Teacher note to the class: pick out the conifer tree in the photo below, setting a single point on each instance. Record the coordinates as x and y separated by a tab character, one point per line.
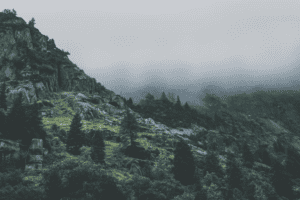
184	164
3	97
130	102
178	106
3	109
75	139
234	175
129	127
98	147
201	194
171	98
149	103
248	157
35	125
212	164
16	119
163	97
293	162
187	108
281	181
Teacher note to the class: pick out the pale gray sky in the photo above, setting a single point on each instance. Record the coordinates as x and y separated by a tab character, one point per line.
133	46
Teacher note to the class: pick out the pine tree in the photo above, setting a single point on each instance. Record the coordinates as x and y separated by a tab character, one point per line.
293	162
201	194
3	110
212	164
16	123
35	125
184	164
3	97
129	127
163	97
75	139
234	174
171	98
248	157
130	102
281	181
178	106
98	147
149	103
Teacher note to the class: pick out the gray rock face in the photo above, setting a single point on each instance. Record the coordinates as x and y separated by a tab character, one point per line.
72	78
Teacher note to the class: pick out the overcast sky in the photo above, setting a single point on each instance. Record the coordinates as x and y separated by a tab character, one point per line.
186	47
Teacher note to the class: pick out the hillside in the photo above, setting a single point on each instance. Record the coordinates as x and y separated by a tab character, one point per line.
31	65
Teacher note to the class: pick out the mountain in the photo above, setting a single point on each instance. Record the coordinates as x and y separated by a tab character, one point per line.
216	134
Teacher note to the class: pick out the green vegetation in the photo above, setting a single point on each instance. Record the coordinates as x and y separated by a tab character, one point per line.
90	159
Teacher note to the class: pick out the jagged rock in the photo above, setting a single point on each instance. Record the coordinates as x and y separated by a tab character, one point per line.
72	78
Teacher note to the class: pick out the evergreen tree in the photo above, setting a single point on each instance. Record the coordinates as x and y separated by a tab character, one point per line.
98	147
75	139
35	125
186	107
3	97
3	110
129	127
201	194
184	164
16	119
212	164
3	129
234	175
31	22
293	162
248	157
218	120
130	102
163	97
171	98
281	181
178	106
149	103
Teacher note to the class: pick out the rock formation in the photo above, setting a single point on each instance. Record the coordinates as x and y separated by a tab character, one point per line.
30	63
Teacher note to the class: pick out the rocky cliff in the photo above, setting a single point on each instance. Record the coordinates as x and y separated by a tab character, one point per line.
30	63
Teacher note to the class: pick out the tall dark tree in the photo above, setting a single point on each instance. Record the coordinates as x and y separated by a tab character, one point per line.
129	127
218	120
16	119
234	175
3	110
35	125
98	147
163	97
212	164
31	22
201	194
281	181
3	97
130	102
186	107
149	103
247	155
178	106
293	162
184	164
75	137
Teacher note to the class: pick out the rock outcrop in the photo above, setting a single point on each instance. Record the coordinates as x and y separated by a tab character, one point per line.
31	64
